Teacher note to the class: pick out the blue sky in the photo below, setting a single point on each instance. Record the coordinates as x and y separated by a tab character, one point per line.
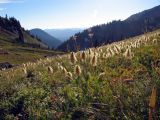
71	13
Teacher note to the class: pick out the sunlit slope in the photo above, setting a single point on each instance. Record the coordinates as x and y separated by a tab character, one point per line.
116	81
15	53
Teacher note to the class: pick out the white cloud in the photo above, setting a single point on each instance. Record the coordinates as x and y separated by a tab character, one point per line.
4	1
11	1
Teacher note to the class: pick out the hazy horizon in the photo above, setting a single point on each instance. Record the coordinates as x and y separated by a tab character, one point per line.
62	14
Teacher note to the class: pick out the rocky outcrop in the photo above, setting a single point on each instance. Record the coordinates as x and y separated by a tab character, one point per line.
5	65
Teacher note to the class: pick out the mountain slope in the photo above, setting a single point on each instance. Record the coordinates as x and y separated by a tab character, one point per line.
147	14
146	21
117	81
18	46
63	34
46	38
16	53
12	27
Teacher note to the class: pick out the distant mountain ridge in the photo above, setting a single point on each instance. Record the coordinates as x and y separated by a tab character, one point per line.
136	24
51	41
145	14
63	34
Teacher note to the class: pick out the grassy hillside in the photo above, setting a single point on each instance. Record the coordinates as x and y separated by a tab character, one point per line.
30	40
117	81
16	53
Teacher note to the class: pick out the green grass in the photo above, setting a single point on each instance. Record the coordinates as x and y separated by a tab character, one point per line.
21	53
117	87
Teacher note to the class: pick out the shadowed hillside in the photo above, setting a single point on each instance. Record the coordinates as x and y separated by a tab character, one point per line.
137	24
51	41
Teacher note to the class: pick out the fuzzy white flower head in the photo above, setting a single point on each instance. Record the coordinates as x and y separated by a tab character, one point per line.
69	74
94	60
83	55
78	70
50	69
73	58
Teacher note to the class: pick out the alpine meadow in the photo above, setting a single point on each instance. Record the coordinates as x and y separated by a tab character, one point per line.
92	69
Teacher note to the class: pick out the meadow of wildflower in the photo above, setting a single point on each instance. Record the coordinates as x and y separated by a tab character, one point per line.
118	81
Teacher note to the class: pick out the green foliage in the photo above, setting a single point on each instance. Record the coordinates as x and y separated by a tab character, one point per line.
117	87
